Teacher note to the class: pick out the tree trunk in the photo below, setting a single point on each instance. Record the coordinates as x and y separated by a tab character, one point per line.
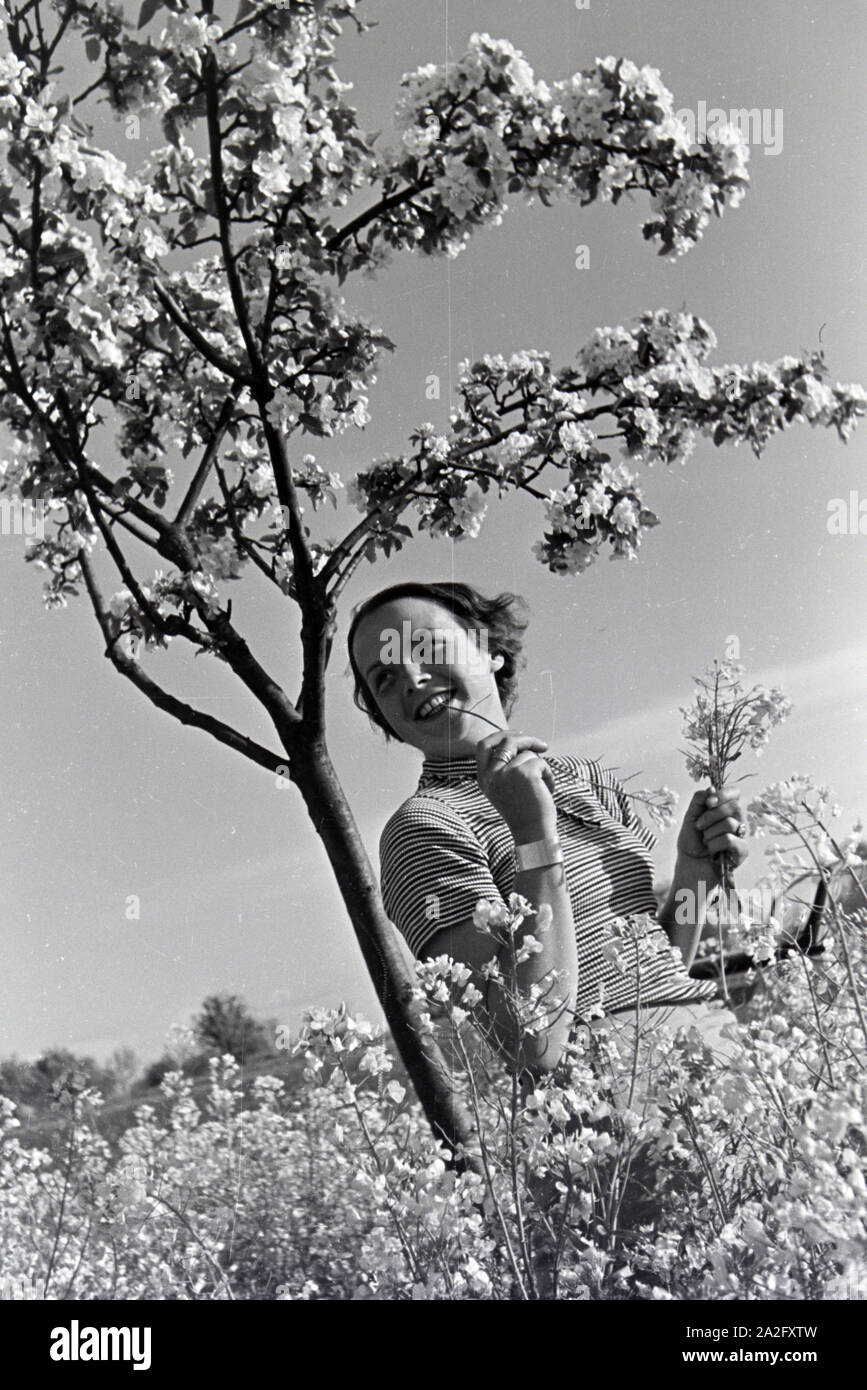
312	771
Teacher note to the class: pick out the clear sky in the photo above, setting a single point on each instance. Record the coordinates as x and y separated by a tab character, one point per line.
106	798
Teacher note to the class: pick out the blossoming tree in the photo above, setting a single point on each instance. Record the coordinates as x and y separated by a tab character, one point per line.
192	303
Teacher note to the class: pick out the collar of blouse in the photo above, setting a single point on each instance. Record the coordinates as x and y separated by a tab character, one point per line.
448	769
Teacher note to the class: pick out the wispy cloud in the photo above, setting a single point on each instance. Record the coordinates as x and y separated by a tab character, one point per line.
821	680
823	685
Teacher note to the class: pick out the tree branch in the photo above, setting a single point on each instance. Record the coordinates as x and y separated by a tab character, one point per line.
360	531
365	526
37	13
343	576
317	617
193	492
246	23
61	30
174	625
17	384
394	200
128	526
244	543
257	366
178	709
87	91
273	281
208	351
35	227
139	509
175	547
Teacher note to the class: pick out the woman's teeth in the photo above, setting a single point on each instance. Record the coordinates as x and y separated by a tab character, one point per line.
432	706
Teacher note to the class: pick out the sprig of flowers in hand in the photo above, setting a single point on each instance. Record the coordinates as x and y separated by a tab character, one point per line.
723	721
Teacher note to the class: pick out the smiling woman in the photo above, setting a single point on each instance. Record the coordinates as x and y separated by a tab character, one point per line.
450	628
435	666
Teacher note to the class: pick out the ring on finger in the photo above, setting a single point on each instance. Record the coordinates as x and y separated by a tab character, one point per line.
741	831
506	757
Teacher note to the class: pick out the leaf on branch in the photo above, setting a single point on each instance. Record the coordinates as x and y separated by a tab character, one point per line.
85	132
171	131
93	48
311	425
9	205
148	10
246	7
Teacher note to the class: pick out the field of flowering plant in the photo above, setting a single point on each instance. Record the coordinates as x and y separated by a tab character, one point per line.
656	1171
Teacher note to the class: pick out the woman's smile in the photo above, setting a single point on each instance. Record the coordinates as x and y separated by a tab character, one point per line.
436	704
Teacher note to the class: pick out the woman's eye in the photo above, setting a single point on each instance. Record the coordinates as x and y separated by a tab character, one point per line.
382	678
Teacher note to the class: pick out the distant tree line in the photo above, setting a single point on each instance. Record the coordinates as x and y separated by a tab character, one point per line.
224	1024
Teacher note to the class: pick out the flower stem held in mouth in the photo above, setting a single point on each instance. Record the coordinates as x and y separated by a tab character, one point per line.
475	716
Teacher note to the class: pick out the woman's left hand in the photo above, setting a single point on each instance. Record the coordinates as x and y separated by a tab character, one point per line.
710	827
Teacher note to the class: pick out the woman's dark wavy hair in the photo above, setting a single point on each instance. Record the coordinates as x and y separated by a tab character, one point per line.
500	617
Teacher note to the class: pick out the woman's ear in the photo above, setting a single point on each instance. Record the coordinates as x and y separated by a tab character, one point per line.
497	660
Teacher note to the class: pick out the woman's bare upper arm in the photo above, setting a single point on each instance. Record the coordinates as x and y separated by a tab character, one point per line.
464	942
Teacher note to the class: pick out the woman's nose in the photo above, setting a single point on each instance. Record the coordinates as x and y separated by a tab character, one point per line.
414	676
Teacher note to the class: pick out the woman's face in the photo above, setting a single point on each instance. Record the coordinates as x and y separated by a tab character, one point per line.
415	655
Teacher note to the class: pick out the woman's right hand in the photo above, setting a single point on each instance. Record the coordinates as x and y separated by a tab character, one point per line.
518	783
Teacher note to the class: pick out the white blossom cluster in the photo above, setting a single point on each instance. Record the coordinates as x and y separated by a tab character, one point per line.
485	126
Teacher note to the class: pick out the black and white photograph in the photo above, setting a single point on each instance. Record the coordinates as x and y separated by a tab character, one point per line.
434	674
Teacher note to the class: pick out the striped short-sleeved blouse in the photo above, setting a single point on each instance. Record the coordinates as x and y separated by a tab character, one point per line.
446	847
